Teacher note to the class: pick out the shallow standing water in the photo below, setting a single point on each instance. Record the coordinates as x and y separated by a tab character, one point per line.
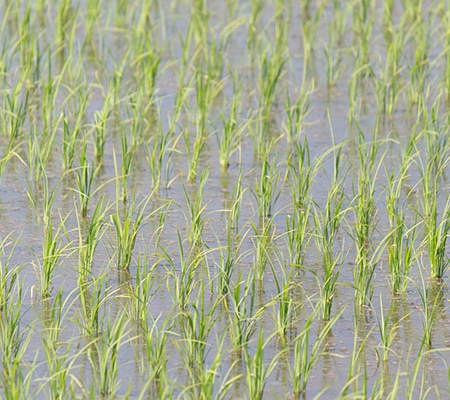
371	80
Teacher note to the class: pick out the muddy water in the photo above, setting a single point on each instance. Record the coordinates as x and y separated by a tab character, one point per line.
356	332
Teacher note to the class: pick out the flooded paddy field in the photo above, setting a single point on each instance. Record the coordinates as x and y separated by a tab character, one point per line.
224	199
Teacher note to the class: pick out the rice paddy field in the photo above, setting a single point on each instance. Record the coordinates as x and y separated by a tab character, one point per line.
229	199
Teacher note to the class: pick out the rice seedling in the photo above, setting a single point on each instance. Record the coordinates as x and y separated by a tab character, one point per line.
99	128
284	307
142	292
196	324
127	222
264	247
160	149
70	137
243	315
401	239
365	211
437	230
16	380
51	252
229	258
267	190
387	333
196	207
86	175
59	362
305	358
257	373
92	296
103	355
156	338
431	298
183	284
296	114
231	133
326	226
236	204
89	236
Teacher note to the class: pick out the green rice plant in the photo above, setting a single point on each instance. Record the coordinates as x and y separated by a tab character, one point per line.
387	331
415	378
282	23
257	372
298	235
39	150
15	111
365	210
160	149
309	28
257	7
65	21
284	306
389	84
401	241
103	355
71	135
156	345
93	295
8	273
326	225
127	156
184	283
236	204
446	45
127	221
231	134
419	71
331	271
401	252
270	72
99	129
206	387
301	174
264	239
147	62
267	189
196	325
334	66
143	291
307	356
59	363
48	103
93	13
89	237
229	258
193	155
15	339
195	219
435	213
243	314
180	99
296	113
363	20
432	298
52	250
86	175
8	154
357	358
203	98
